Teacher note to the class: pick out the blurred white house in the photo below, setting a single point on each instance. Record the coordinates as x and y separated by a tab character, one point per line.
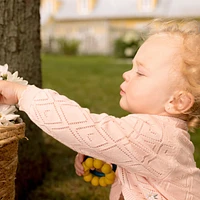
96	23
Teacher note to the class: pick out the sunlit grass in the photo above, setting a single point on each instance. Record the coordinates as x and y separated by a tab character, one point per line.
94	83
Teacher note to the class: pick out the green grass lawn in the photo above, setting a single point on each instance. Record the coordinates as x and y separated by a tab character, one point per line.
94	83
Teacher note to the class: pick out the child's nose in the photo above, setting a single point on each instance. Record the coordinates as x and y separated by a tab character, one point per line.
126	75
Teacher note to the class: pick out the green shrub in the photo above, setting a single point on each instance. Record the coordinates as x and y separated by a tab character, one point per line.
127	45
68	47
48	47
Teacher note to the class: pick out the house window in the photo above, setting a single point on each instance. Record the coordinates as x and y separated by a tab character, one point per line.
84	6
146	5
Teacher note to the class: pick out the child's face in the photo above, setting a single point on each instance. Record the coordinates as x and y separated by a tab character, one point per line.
154	77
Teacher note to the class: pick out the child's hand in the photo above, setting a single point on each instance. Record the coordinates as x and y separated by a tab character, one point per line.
78	164
10	92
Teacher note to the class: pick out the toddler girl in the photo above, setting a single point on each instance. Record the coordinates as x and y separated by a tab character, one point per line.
151	146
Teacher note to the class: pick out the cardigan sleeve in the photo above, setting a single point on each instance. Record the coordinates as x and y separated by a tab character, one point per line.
122	141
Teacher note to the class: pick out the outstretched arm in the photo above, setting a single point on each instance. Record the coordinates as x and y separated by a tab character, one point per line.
126	141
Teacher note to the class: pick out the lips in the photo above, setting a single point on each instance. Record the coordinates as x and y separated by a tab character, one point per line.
122	92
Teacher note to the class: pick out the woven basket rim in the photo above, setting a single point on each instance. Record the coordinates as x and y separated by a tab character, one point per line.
13	132
11	127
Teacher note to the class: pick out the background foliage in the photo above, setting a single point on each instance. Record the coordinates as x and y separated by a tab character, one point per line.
68	47
61	46
127	45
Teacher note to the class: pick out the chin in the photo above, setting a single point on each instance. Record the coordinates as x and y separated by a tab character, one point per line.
122	105
124	108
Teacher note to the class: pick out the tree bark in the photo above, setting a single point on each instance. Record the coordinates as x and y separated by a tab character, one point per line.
20	49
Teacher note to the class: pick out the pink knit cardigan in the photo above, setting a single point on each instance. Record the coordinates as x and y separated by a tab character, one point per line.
154	154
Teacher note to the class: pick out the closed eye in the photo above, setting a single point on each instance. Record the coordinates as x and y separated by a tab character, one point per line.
139	74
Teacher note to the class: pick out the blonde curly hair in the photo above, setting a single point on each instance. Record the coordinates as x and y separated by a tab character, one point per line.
189	30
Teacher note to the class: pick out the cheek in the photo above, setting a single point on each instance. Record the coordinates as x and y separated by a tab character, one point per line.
148	92
136	95
159	93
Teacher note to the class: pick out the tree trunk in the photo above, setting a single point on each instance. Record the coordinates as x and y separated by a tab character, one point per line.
20	49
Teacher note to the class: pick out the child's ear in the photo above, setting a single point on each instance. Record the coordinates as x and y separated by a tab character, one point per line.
179	103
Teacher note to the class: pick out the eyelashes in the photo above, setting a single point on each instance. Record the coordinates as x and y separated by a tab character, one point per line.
138	71
139	74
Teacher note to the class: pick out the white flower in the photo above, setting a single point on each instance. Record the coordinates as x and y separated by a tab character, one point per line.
6	75
7	114
3	71
3	68
14	78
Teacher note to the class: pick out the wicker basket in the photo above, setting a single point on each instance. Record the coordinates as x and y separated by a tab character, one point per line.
9	137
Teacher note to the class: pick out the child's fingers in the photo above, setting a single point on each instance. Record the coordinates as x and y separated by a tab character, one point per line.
79	168
78	173
78	164
80	157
